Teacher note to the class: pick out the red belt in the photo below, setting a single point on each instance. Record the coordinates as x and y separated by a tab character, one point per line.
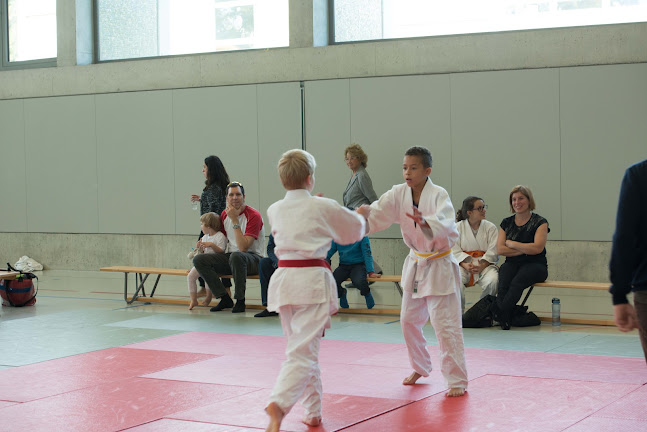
305	263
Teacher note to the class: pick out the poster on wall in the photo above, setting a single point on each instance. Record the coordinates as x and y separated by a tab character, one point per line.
234	24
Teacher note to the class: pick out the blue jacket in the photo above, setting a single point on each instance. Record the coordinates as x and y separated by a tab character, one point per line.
355	253
628	266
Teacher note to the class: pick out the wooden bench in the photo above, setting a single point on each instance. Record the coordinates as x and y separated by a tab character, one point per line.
597	286
142	273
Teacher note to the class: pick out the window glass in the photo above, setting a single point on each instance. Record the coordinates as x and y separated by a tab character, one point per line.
150	28
391	19
31	29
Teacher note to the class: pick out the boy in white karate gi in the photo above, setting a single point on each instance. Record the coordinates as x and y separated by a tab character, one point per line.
302	289
430	275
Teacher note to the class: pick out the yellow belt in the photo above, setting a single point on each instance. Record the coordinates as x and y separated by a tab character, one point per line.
433	255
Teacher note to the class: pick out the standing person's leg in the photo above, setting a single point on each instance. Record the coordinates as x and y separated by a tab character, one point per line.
242	264
640	304
445	316
413	316
303	325
341	274
200	280
265	271
358	277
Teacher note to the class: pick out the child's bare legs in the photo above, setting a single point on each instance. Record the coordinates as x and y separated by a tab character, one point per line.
276	417
191	278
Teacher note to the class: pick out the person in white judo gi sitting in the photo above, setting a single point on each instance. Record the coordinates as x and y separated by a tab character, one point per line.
475	249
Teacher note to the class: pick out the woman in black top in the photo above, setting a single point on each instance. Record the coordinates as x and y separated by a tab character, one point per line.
213	197
522	240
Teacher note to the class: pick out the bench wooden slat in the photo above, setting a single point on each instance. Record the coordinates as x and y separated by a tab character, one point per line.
146	270
574	285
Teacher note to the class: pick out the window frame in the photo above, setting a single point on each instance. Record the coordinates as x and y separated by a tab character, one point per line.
5	64
333	25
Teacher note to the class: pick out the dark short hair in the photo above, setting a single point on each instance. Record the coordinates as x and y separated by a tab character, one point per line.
236	184
422	153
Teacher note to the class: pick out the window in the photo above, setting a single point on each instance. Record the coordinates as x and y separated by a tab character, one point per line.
28	37
150	28
356	20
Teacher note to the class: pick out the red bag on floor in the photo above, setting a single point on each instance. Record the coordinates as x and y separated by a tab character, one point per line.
19	292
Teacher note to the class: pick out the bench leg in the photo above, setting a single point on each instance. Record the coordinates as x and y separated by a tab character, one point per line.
155	286
397	285
527	295
139	281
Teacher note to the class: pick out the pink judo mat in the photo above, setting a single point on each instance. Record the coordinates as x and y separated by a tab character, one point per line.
215	382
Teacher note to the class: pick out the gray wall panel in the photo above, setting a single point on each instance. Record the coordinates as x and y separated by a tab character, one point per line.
219	121
604	130
13	178
62	165
389	115
135	163
505	131
327	110
279	130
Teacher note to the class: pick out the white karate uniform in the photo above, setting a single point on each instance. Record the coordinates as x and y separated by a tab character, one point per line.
431	286
303	227
485	240
219	240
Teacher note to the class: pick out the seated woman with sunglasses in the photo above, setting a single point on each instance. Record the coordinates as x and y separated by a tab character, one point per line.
475	249
522	240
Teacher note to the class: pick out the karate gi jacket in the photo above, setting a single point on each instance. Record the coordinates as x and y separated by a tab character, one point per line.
303	227
420	276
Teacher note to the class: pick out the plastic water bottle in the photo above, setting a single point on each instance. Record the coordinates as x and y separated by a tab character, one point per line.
556	308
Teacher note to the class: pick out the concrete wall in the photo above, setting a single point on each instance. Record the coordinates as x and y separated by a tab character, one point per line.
567	260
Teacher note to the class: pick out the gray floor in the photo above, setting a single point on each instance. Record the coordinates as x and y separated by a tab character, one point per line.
79	312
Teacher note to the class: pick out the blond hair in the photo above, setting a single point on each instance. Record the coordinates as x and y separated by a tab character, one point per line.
294	168
355	150
525	190
211	220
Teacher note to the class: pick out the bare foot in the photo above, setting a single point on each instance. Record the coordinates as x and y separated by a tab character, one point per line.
276	417
202	292
192	304
455	392
207	300
411	379
312	421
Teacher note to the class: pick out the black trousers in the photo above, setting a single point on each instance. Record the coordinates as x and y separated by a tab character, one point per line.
357	273
513	279
239	264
